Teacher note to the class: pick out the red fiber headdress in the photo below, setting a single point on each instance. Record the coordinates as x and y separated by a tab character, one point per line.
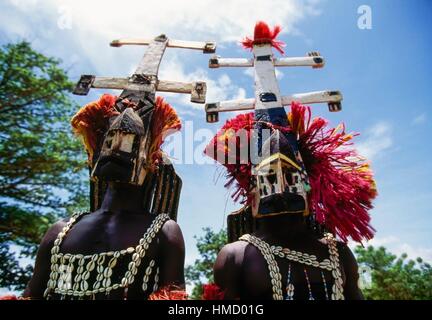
342	184
237	172
212	291
341	181
169	292
263	35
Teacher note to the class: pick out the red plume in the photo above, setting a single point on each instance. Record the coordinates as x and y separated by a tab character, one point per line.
211	291
238	171
264	35
342	185
169	292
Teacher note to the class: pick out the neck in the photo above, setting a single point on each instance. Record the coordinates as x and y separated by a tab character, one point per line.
123	198
284	226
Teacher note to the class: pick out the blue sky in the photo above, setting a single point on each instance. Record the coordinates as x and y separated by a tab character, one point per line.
383	73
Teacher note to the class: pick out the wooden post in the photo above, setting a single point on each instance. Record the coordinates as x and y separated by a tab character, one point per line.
267	92
145	80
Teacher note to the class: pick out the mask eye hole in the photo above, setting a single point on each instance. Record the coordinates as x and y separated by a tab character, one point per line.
289	178
109	139
271	177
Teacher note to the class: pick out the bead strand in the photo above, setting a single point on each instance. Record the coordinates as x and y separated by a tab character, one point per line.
63	265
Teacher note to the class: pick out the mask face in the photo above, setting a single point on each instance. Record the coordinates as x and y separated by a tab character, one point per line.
124	151
281	181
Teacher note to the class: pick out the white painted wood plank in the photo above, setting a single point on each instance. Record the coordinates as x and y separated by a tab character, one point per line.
110	83
299	62
196	45
316	62
207	47
124	84
120	84
216	62
149	64
303	98
265	79
231	105
313	97
174	86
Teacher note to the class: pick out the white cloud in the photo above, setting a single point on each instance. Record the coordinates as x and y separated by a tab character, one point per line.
221	88
377	242
377	139
222	20
218	19
396	246
80	31
420	119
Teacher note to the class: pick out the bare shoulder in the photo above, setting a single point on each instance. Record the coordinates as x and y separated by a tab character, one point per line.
172	254
350	267
346	256
37	284
52	232
171	228
230	258
233	251
171	232
228	268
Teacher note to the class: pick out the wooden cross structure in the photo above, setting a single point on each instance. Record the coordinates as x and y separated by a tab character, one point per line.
267	93
145	81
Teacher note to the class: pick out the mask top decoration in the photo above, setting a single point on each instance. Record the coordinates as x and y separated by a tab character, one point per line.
300	165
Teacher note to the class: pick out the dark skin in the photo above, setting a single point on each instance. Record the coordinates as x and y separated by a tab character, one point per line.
119	223
242	272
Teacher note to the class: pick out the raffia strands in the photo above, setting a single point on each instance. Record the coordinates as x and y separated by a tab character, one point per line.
212	292
13	297
342	184
165	122
238	172
92	121
264	35
9	297
341	181
169	293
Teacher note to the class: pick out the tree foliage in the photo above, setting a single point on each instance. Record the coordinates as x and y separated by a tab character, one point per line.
201	271
41	162
12	275
37	150
394	278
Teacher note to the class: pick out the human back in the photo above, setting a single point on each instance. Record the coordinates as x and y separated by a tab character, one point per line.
244	272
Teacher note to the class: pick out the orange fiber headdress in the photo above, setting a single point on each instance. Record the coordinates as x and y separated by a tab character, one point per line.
92	121
164	122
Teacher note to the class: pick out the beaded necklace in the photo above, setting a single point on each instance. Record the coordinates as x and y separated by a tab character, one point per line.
63	265
270	252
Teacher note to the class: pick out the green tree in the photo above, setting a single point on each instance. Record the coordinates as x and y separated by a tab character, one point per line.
41	162
394	278
201	271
